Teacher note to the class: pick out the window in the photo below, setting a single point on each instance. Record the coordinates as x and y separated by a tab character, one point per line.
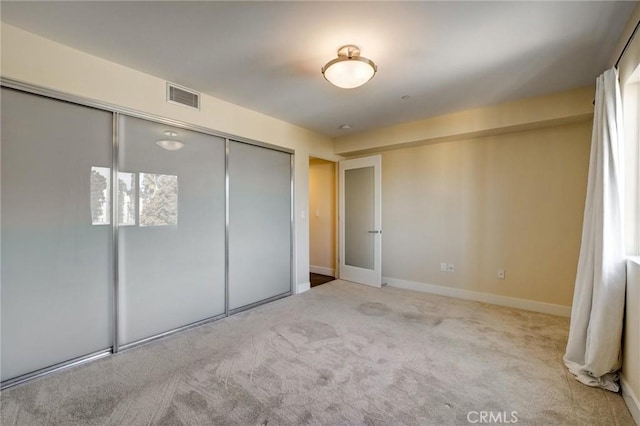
631	108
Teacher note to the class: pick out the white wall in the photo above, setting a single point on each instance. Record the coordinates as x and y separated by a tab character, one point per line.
631	345
39	61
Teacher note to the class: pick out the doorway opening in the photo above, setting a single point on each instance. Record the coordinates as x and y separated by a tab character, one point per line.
322	221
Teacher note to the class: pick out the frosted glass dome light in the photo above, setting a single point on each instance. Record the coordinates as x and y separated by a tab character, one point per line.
349	69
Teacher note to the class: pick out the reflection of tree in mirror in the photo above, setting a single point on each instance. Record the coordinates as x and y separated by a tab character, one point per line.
98	187
126	198
158	199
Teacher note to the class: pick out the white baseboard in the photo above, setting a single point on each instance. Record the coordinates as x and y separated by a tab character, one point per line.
302	287
322	270
512	302
630	399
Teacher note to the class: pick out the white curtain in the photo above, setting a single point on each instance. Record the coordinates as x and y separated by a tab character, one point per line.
593	349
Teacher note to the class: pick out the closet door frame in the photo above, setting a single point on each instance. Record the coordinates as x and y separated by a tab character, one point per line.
117	111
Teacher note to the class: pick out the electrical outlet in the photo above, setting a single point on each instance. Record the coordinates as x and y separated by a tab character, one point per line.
443	267
501	274
450	268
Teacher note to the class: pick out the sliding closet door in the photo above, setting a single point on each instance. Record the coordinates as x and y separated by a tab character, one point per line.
171	233
259	224
56	232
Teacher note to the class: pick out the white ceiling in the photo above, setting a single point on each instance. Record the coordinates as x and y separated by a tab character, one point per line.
266	56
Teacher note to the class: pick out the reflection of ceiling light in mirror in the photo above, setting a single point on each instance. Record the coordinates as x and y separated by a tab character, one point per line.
170	144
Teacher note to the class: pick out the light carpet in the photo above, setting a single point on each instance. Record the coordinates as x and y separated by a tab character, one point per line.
339	354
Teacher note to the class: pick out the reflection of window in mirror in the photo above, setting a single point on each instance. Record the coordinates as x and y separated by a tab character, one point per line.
100	188
126	199
158	199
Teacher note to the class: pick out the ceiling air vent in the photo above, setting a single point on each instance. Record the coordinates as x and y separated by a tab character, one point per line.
182	96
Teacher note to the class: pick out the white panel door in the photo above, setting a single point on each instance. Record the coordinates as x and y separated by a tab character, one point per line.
361	220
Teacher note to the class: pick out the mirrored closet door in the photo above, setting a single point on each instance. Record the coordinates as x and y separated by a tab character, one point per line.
171	236
259	224
56	232
117	230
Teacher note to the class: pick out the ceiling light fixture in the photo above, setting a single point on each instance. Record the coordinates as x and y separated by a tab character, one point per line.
349	69
170	144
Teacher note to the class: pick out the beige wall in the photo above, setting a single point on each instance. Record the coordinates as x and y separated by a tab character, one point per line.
512	201
39	61
322	215
524	114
